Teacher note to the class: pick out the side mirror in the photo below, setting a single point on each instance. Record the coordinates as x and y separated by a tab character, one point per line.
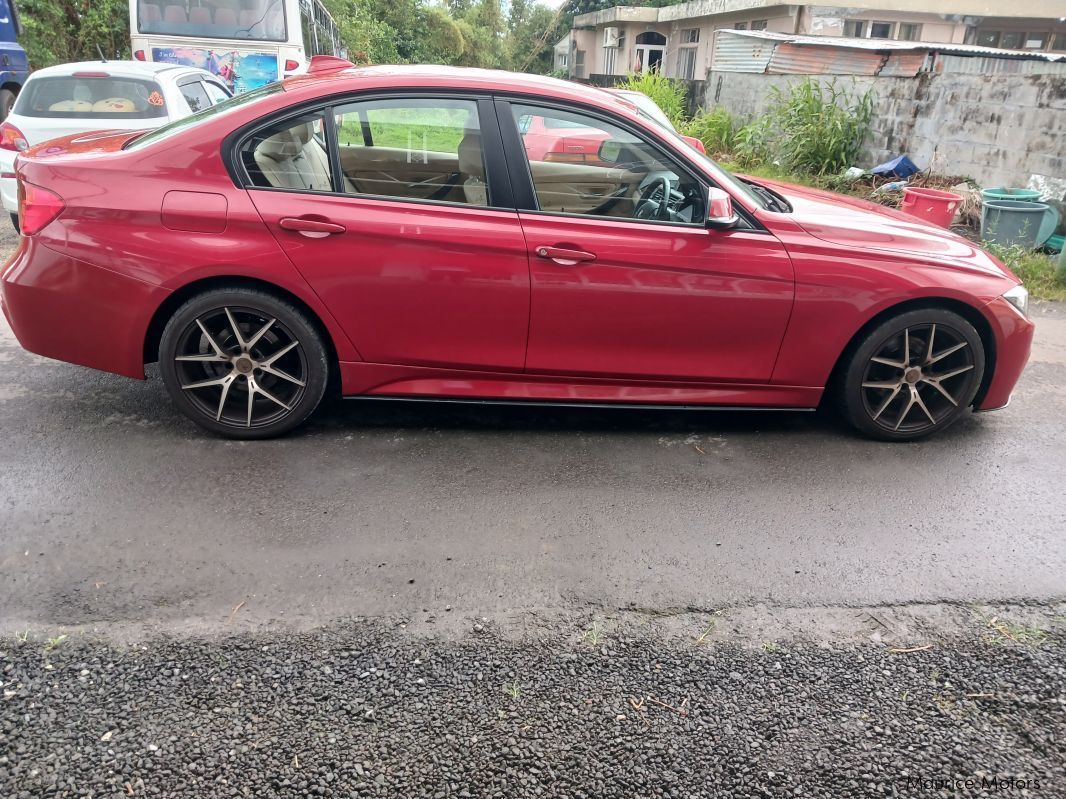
610	151
720	213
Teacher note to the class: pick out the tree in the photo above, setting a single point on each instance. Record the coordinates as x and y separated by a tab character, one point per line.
60	31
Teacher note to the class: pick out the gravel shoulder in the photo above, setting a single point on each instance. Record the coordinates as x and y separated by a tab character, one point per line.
607	706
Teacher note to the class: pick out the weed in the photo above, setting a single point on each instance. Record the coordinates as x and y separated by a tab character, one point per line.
822	126
53	643
771	647
593	635
513	690
1002	631
1036	270
22	637
715	128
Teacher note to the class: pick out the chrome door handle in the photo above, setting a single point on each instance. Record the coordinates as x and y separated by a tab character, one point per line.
564	256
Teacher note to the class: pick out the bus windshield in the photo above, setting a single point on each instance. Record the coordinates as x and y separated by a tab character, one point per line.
250	20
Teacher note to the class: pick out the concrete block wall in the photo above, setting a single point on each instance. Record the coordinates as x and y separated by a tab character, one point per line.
997	129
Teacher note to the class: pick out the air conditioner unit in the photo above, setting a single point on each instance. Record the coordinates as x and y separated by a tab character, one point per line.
610	37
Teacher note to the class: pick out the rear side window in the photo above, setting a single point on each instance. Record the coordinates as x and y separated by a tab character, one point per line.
91	97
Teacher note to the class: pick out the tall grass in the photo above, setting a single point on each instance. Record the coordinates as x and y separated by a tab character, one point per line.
715	128
822	126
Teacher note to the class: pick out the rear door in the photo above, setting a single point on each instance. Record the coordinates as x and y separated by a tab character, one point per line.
398	213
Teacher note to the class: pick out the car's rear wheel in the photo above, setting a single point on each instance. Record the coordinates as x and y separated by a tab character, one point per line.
913	375
243	363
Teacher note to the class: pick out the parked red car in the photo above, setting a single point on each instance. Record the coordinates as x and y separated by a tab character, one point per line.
386	225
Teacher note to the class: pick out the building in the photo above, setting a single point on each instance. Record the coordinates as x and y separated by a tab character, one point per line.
679	40
561	55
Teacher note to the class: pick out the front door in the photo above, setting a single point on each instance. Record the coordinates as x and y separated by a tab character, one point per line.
406	245
627	282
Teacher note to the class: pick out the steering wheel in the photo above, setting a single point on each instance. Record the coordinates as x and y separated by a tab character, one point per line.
648	207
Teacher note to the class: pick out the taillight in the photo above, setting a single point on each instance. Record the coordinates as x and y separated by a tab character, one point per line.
291	65
139	55
11	138
37	207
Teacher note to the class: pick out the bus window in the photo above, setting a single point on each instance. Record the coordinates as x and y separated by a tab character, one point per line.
258	20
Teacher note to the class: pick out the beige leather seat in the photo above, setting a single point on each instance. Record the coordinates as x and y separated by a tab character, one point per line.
294	159
472	167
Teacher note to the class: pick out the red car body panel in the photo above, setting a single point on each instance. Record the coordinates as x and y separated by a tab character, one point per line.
448	300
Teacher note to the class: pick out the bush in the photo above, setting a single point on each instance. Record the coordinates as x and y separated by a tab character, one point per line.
714	128
1036	270
668	94
821	127
752	143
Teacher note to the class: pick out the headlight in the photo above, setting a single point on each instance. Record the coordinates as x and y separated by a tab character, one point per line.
1019	298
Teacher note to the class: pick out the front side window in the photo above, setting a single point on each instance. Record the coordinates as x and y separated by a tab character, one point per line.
91	96
595	168
259	20
217	92
289	155
413	149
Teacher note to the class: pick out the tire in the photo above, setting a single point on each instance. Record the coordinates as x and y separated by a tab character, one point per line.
243	363
15	223
896	387
7	102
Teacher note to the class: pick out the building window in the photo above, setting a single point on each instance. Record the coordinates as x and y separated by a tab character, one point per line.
880	30
988	38
909	32
855	28
1035	41
690	36
1060	42
608	60
759	25
579	63
1011	40
686	63
740	26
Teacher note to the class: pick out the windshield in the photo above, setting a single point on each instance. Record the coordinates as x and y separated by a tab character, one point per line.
650	109
232	104
260	20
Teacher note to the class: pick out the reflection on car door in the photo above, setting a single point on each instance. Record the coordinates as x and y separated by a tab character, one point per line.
617	295
405	246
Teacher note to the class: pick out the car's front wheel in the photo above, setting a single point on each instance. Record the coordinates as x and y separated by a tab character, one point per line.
243	363
913	375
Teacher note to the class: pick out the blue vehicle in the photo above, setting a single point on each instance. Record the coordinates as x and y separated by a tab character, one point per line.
14	66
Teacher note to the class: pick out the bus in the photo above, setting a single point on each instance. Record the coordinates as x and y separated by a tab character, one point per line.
247	43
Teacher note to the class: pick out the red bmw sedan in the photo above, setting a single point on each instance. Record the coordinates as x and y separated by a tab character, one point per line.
386	227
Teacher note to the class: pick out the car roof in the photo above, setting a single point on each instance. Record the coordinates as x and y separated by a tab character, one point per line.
139	69
414	76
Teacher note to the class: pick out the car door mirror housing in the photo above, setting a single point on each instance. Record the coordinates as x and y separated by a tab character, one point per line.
610	152
720	213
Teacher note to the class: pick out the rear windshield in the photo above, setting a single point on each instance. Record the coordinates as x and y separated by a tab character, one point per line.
91	97
233	103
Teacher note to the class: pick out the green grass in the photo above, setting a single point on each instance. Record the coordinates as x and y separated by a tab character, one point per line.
1035	269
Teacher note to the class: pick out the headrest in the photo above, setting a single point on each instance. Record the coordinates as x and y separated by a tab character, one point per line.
287	143
470	162
71	105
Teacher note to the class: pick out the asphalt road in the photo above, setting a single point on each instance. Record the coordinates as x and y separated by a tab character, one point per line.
115	509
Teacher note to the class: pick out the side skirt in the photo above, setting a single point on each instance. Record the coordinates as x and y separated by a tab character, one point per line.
386	381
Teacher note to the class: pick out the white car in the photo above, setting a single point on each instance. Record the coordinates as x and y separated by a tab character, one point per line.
95	95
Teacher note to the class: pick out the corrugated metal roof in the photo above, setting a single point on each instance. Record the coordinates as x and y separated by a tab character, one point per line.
907	64
969	65
741	54
887	45
791	59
